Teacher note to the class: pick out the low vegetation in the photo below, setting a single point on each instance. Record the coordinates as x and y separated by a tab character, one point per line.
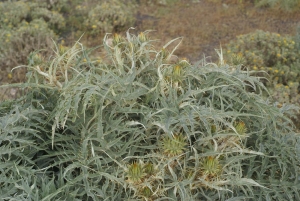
271	53
132	125
127	119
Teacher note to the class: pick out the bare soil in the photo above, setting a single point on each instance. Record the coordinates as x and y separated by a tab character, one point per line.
207	24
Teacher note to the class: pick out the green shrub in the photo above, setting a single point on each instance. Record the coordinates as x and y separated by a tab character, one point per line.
109	16
54	19
282	4
277	55
17	43
12	13
134	126
32	25
24	30
297	38
287	5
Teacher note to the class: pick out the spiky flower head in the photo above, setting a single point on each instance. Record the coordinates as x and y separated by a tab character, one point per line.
135	172
178	69
174	146
237	59
117	39
240	127
164	54
210	166
142	37
37	58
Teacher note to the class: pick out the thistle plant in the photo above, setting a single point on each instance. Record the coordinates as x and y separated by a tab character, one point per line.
210	168
120	129
174	146
240	127
135	173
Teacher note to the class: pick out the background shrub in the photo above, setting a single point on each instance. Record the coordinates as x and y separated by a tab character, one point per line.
280	4
22	31
277	55
135	126
20	41
110	17
50	13
28	26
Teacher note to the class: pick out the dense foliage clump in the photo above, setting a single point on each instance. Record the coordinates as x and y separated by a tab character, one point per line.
275	54
27	26
21	33
109	16
289	5
134	125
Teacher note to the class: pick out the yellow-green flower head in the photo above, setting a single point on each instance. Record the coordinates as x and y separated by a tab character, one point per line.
142	37
135	172
174	146
117	39
240	127
210	166
62	49
177	70
9	76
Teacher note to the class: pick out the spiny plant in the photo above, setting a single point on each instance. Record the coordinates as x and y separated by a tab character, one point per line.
173	146
210	168
136	126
